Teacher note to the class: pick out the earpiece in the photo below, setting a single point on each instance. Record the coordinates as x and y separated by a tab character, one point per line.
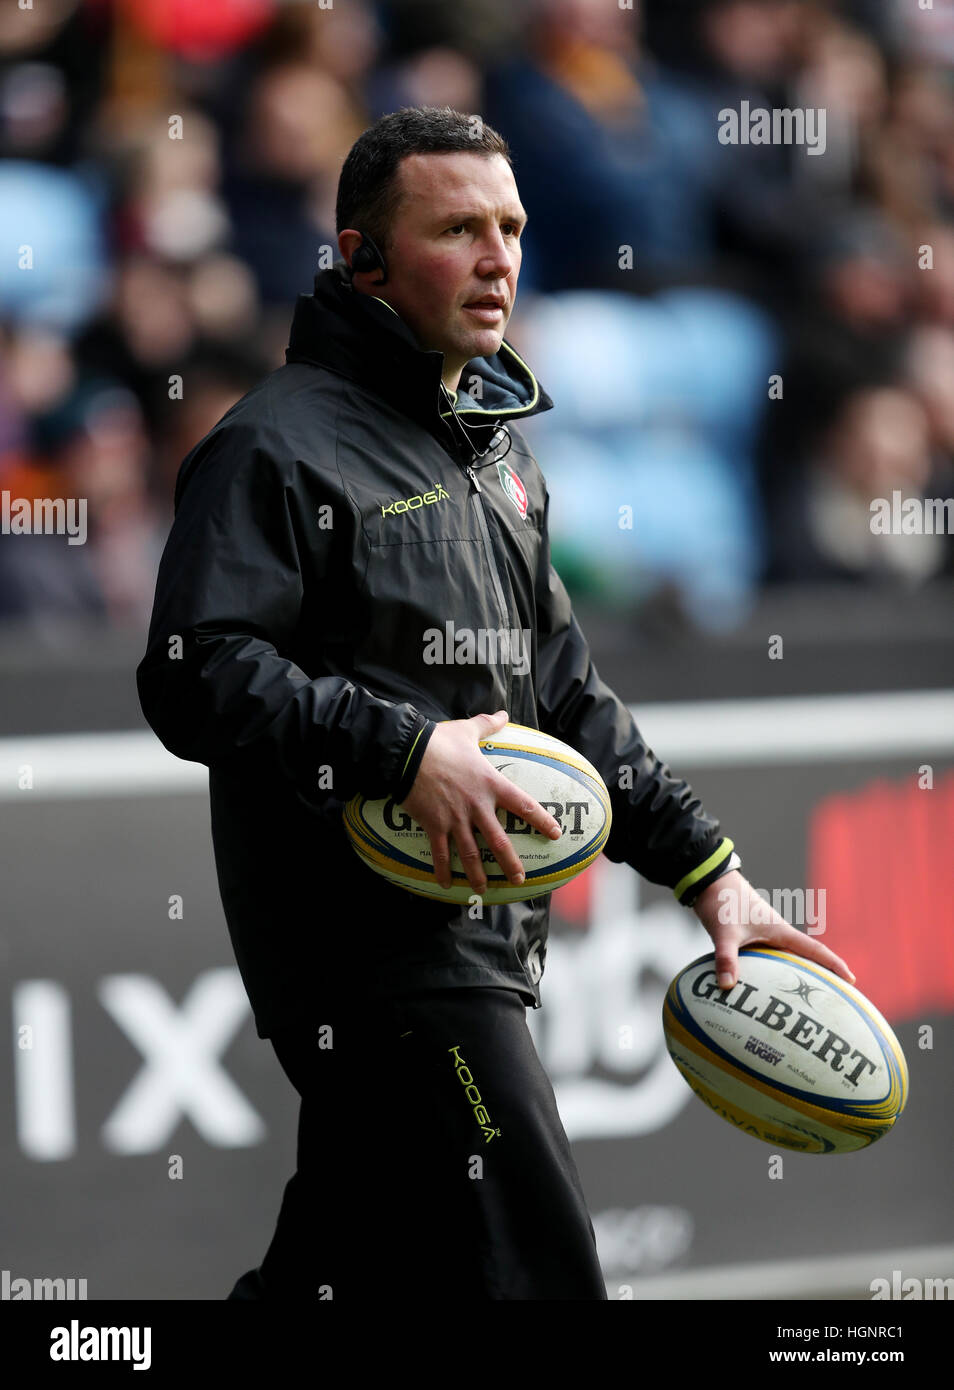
367	257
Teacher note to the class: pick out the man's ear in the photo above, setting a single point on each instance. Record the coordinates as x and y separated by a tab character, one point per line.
348	241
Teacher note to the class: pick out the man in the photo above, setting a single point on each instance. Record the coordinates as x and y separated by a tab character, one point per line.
351	501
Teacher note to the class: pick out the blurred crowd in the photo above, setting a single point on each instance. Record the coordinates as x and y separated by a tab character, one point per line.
746	343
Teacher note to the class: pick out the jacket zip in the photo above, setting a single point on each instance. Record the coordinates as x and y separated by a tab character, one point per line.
498	587
485	534
488	547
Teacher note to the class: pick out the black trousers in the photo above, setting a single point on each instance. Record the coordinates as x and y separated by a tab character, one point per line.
432	1162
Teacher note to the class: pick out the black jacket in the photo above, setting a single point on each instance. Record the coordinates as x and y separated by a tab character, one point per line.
326	522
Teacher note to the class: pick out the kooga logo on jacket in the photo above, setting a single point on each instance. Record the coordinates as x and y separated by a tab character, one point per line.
408	504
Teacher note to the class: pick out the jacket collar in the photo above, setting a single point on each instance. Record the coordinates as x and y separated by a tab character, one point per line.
361	337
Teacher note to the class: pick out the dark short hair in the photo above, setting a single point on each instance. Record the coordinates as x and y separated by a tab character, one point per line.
368	191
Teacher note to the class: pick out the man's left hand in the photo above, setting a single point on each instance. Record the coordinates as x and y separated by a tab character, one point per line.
735	915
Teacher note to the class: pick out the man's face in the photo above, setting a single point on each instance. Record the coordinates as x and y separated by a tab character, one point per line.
456	240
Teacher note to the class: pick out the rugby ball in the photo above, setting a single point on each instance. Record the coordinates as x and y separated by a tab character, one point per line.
792	1054
564	783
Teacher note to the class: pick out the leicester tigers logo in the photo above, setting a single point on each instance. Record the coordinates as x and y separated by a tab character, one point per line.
513	487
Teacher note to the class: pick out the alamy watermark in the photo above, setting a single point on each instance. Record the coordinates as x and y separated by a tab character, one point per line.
76	1343
482	646
20	1289
912	516
47	516
898	1287
801	907
800	125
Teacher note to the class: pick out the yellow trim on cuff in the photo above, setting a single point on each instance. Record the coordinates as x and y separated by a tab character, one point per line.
413	746
723	849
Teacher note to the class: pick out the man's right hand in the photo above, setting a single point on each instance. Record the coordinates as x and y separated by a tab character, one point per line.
457	788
